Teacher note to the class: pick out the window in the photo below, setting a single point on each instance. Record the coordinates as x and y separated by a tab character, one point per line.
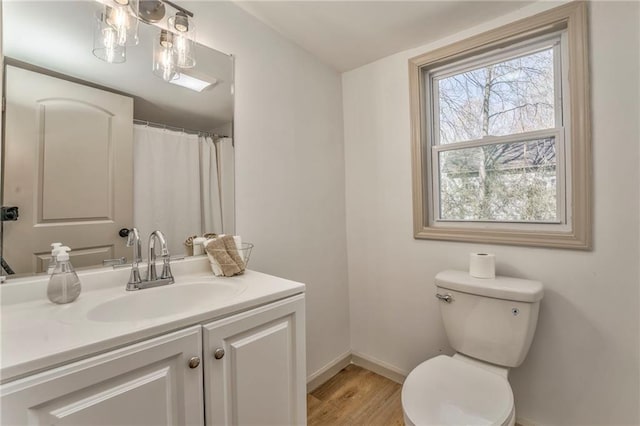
497	134
500	127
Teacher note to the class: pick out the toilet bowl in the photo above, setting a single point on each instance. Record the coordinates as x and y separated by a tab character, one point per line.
490	323
447	391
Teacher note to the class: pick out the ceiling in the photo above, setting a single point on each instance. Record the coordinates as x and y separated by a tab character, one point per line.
349	34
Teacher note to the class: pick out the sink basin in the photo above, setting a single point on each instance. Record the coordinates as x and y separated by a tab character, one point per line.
164	301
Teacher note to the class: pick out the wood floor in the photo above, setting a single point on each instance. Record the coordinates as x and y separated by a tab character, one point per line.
355	396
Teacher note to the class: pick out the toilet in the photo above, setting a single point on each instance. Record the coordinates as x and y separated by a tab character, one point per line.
490	324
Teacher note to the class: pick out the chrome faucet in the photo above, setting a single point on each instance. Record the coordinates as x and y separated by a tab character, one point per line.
151	260
152	280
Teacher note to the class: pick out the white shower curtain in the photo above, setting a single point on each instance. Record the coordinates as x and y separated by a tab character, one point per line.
210	187
227	186
176	186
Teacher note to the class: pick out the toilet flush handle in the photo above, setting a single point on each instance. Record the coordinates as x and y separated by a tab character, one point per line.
445	298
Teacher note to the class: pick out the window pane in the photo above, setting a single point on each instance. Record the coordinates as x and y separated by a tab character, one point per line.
509	97
503	182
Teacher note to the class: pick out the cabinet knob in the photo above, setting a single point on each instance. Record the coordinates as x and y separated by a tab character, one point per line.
218	353
194	362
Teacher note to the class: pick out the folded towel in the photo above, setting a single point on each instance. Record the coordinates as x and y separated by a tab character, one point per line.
215	267
232	249
226	258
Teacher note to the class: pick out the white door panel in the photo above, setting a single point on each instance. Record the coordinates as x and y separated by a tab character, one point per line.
66	152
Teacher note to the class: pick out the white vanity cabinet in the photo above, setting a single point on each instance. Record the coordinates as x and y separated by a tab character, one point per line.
246	368
254	366
147	383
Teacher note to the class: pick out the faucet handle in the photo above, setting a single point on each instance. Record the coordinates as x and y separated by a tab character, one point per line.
166	268
130	237
111	262
133	239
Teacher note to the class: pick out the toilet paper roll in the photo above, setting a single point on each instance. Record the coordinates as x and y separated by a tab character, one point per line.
482	265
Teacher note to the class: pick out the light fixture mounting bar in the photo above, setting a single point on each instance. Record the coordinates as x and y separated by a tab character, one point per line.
181	9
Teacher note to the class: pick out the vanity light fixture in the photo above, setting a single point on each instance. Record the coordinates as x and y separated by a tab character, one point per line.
117	27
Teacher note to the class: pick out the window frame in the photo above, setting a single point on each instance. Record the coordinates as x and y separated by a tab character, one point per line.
566	24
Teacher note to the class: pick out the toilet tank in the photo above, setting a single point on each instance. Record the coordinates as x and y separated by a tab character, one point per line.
493	319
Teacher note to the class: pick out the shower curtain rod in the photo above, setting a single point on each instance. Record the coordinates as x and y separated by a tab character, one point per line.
178	129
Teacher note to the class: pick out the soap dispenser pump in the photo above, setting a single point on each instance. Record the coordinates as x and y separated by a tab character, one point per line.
52	261
64	284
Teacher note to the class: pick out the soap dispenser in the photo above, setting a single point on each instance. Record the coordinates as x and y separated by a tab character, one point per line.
52	261
64	284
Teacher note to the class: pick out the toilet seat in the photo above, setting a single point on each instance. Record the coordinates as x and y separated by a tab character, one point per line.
448	391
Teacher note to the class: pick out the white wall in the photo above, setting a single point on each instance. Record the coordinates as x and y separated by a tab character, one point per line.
289	167
583	364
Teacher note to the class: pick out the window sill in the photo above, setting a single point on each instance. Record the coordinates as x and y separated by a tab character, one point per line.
533	238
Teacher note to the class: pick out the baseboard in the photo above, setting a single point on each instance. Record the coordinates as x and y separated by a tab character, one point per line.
379	367
328	371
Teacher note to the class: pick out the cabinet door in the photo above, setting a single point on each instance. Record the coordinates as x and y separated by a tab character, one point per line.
148	383
260	379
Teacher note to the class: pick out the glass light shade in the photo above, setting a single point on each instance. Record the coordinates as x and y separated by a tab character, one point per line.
122	16
184	37
105	42
165	59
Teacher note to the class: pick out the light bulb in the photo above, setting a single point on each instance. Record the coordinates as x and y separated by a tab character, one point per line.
109	41
164	57
167	64
181	49
109	38
121	24
124	19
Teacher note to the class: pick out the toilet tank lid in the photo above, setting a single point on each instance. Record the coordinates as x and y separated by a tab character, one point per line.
506	288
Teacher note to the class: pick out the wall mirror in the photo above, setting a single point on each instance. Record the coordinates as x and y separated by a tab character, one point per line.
91	148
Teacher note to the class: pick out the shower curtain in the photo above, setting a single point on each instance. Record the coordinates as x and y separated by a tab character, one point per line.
211	212
227	187
176	185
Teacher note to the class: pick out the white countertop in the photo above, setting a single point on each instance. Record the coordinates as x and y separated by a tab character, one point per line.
37	334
